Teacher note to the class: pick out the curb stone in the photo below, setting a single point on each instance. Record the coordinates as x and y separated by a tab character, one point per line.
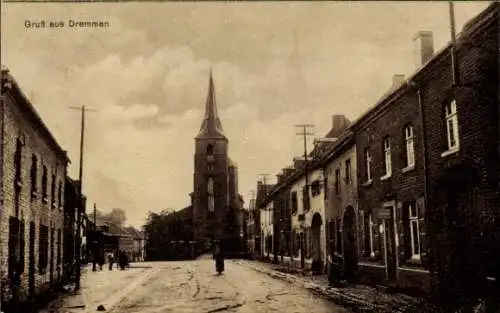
332	294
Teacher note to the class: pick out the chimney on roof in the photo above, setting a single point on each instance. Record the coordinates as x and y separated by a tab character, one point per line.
423	47
397	80
287	171
298	162
279	177
339	124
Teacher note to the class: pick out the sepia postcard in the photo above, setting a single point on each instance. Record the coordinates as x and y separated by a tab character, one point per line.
249	156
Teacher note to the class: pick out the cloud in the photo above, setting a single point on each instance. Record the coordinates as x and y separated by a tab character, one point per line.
146	77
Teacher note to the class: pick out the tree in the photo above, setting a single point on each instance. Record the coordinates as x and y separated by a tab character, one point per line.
117	216
164	227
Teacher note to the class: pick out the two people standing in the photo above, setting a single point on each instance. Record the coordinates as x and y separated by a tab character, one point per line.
122	260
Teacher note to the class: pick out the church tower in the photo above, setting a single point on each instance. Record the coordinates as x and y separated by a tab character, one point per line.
211	174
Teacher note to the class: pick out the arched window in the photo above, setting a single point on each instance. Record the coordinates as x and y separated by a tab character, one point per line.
210	190
210	186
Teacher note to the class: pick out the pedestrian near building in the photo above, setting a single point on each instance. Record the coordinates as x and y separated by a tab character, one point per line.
335	269
110	261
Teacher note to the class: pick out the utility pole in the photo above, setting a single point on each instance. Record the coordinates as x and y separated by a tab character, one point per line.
305	133
454	57
80	208
95	245
264	177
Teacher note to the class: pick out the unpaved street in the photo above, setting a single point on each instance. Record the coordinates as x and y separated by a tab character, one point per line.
192	286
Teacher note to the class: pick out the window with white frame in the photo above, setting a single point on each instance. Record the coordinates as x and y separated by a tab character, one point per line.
414	231
368	164
410	148
387	157
451	125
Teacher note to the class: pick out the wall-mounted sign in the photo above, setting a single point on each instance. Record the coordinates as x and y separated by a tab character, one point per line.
384	213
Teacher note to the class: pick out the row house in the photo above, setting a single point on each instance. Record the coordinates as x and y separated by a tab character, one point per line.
341	200
284	199
391	186
300	208
33	180
259	238
428	162
136	253
307	215
459	97
251	229
410	189
266	227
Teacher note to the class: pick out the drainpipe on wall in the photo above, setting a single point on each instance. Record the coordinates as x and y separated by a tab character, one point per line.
424	156
454	55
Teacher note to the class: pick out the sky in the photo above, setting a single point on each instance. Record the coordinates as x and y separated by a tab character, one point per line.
274	64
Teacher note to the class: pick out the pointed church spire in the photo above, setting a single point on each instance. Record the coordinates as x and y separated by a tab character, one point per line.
211	126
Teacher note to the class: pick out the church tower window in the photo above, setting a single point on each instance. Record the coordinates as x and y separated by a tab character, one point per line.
210	190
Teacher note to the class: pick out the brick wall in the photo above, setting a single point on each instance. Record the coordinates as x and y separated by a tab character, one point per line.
220	174
405	185
31	208
471	174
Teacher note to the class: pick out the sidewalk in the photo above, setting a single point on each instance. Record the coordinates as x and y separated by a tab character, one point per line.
361	298
100	288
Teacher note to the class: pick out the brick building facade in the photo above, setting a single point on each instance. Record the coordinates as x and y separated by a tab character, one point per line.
389	148
32	221
428	172
458	93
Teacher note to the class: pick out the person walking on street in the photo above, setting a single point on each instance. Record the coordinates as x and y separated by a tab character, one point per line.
111	261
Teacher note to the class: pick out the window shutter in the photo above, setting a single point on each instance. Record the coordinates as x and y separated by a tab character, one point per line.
362	234
420	203
423	230
405	216
401	232
331	236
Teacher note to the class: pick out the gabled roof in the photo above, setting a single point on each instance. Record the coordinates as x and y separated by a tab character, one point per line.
262	192
470	29
490	14
134	232
211	127
10	86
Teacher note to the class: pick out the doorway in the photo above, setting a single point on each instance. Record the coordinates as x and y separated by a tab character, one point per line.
349	243
391	253
317	255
